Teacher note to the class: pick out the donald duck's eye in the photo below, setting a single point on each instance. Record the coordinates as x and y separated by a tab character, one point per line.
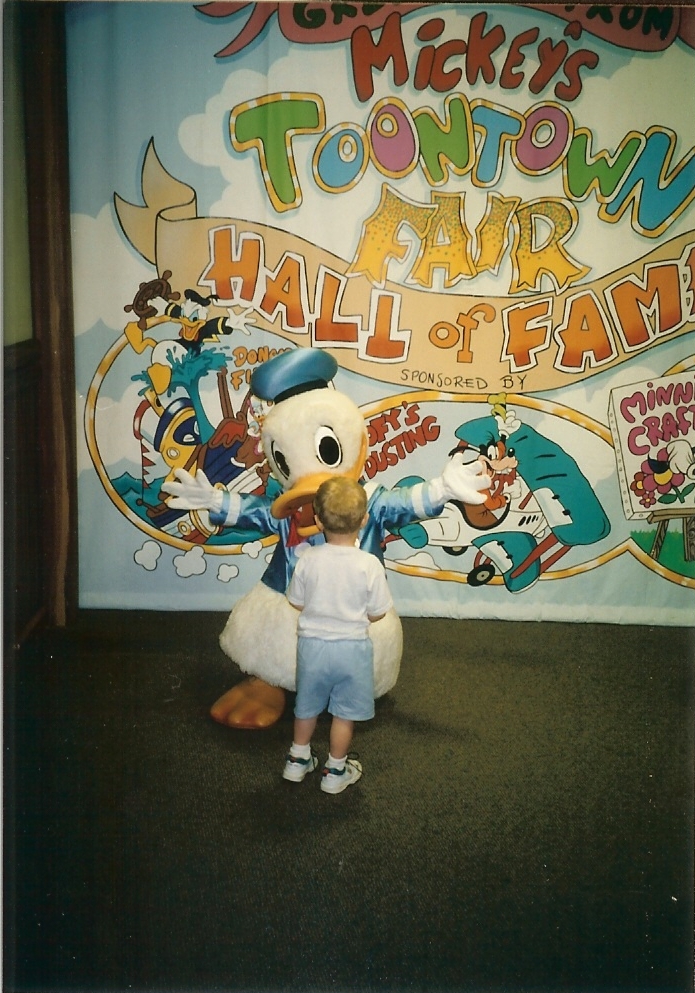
280	461
328	447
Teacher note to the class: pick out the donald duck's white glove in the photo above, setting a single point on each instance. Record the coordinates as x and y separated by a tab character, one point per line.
193	492
460	481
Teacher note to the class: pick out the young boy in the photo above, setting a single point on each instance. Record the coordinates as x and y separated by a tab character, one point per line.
339	590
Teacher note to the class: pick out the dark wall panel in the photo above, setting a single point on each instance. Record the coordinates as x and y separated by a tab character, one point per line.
23	580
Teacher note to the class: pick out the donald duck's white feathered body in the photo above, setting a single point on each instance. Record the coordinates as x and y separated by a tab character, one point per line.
306	438
311	432
261	637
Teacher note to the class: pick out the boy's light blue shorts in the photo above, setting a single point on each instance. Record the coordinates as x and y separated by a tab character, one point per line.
337	676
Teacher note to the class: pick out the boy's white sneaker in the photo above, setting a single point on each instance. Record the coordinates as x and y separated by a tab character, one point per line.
296	769
337	780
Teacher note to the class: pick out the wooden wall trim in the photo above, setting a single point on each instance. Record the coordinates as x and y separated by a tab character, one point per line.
45	88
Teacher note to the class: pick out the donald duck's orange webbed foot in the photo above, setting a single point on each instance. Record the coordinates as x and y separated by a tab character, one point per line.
252	705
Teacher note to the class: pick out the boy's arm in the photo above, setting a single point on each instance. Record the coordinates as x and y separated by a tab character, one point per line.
295	592
380	596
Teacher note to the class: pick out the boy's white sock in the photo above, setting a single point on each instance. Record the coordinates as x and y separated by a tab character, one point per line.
300	751
337	764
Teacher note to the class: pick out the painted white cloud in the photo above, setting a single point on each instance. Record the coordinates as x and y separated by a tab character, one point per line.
618	91
606	247
83	458
114	430
422	560
106	272
201	136
593	401
204	138
148	555
252	549
227	572
192	563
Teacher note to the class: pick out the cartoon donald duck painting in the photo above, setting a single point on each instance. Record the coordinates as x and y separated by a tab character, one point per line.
310	432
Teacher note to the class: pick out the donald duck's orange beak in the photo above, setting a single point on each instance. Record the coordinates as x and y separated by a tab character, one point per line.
298	500
189	329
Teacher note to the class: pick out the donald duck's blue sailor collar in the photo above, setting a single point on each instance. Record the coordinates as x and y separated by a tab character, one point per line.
290	373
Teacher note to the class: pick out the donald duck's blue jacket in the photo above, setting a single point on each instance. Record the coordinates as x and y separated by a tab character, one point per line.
386	509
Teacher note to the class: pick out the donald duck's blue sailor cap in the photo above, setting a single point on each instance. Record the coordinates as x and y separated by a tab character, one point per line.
290	373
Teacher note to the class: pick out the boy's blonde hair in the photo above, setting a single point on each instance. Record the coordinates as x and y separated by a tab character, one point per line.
340	504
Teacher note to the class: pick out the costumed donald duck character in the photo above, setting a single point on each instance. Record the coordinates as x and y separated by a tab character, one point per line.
311	431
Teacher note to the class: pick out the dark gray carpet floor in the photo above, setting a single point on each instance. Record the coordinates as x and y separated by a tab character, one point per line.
524	823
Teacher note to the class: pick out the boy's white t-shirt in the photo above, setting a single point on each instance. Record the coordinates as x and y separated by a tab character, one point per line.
338	589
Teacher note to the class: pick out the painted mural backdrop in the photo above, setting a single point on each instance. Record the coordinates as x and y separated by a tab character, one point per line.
484	213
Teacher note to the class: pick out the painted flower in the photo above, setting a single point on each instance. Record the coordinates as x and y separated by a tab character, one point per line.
656	479
647	497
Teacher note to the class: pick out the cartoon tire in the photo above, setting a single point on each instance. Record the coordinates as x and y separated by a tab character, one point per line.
481	575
